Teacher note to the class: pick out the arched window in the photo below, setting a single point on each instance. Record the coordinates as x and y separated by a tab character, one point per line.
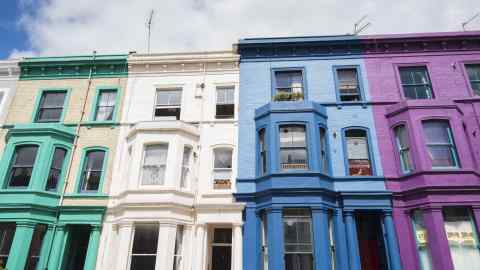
293	148
403	147
222	168
440	144
154	164
56	169
358	156
92	171
22	166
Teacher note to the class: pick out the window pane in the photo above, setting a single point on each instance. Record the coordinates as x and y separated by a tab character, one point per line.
440	145
293	158
169	97
107	98
323	151
298	239
93	170
49	114
416	83
402	136
35	247
222	236
225	95
292	136
348	84
7	231
223	158
143	263
52	99
436	132
187	152
56	168
474	76
22	167
421	240
179	240
462	238
263	150
95	160
403	148
298	261
357	152
289	81
145	239
154	164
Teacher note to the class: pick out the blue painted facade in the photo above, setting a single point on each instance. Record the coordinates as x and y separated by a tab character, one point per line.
333	198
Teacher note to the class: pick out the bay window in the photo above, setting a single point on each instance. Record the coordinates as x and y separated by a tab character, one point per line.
323	151
403	147
297	224
293	148
154	164
440	144
56	169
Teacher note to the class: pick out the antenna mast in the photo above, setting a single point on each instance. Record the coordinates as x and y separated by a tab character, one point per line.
464	24
359	26
149	27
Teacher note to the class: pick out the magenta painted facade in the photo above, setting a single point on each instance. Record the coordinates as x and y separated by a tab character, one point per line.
424	188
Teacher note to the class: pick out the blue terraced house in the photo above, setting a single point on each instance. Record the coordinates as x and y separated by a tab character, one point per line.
309	168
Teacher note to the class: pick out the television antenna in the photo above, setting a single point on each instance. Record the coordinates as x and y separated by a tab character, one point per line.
465	23
359	26
149	28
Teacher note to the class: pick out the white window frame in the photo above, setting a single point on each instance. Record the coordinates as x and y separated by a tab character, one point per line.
185	180
141	184
182	249
215	170
130	250
175	106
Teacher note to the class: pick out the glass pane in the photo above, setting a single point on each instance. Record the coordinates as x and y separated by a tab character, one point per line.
293	159
421	240
92	180
179	240
225	95
357	145
473	71
441	156
7	231
289	81
56	168
298	261
49	114
107	98
222	236
223	158
143	263
462	238
436	132
169	97
414	75
58	158
402	137
156	154
25	155
292	136
52	99
104	113
145	239
221	258
153	175
323	150
95	160
20	177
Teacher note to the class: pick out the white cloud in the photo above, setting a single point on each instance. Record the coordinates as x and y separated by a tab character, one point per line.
57	27
16	54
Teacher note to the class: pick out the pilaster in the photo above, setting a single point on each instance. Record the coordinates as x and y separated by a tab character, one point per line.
391	238
275	238
321	239
93	243
20	245
352	240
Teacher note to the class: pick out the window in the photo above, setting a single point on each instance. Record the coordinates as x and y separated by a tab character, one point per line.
357	153
288	85
178	254
297	225
462	238
264	239
222	249
51	106
416	83
293	148
473	71
348	86
36	246
7	231
154	164
323	151
263	151
403	147
225	102
440	144
144	248
22	166
184	180
92	171
222	171
56	169
421	240
168	104
105	109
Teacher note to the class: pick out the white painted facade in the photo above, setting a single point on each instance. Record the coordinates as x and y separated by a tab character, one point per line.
9	73
198	206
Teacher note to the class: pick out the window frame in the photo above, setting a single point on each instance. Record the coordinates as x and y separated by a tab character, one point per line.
359	81
414	230
38	101
259	170
181	254
307	146
130	250
452	145
369	148
188	166
144	149
398	150
158	89
273	81
62	170
398	75
80	178
7	176
9	227
324	169
214	170
304	218
467	77
226	117
94	109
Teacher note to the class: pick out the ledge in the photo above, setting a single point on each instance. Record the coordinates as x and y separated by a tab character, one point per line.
290	107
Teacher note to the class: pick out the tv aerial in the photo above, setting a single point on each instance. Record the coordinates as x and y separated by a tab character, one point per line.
360	25
465	23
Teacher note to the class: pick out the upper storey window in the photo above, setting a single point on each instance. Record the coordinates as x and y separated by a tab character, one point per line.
473	71
403	147
416	82
348	85
440	144
168	103
222	168
359	163
154	164
51	105
323	151
186	163
263	151
92	171
225	102
289	85
105	107
56	168
22	166
293	148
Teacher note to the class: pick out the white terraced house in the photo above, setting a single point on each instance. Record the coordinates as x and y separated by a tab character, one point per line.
171	204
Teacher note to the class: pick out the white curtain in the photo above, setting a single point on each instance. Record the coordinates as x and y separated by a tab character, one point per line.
154	164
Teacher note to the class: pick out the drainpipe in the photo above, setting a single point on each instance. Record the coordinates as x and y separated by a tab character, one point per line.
69	168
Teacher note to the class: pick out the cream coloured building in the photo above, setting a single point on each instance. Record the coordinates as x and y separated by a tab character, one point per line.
171	205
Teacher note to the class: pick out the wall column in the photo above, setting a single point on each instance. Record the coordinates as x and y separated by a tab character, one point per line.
58	245
321	239
166	245
340	241
93	243
45	249
199	250
275	238
437	239
391	241
251	232
406	240
125	239
237	247
20	245
352	240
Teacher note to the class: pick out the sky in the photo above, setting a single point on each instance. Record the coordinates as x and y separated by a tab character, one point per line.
75	27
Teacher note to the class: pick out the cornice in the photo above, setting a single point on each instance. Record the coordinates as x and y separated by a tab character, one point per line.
9	69
195	62
162	126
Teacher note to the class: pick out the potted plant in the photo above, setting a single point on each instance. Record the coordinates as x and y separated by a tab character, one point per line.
288	96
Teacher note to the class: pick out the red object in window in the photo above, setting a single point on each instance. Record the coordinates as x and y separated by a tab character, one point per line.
359	167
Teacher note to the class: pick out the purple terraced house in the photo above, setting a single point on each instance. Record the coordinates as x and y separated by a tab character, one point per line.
425	89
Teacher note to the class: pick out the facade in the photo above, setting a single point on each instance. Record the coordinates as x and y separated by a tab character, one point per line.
176	167
309	168
59	138
426	94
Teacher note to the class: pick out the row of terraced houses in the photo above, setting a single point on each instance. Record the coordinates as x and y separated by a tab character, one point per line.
298	153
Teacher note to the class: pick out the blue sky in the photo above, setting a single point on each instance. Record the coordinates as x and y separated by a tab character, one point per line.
72	27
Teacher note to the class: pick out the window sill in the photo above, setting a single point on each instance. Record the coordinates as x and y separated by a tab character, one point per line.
87	195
